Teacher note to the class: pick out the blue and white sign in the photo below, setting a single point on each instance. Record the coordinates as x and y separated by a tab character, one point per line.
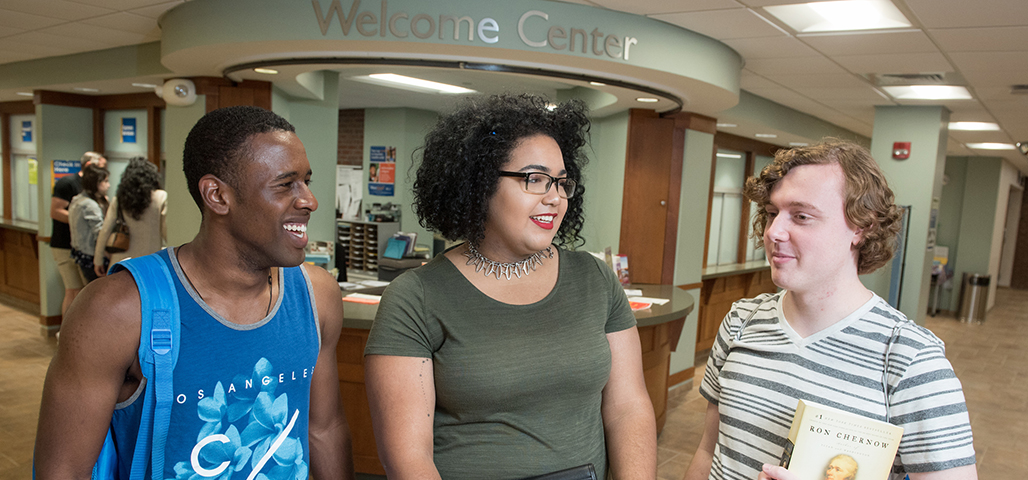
128	130
26	131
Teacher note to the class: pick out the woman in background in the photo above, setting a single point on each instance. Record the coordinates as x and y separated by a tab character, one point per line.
86	216
507	356
143	206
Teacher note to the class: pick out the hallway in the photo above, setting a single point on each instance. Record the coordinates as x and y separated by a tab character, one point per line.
990	359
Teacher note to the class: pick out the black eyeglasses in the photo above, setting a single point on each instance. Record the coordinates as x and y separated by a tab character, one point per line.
539	183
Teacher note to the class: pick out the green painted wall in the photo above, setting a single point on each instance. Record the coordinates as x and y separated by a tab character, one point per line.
778	117
977	218
604	182
183	218
950	210
317	126
64	133
405	129
915	182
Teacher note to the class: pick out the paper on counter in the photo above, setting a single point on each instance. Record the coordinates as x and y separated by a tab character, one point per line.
373	283
658	301
633	292
363	298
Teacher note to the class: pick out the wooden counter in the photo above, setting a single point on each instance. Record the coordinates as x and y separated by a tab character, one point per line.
722	286
659	329
19	260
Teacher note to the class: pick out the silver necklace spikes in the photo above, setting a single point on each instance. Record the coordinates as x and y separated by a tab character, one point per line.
489	267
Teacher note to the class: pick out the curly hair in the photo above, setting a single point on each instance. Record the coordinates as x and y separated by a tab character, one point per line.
220	139
137	184
464	153
869	202
92	177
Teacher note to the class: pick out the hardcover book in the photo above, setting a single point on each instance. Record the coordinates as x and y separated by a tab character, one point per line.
827	443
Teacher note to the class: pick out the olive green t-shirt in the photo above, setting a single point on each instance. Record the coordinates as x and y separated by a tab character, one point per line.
518	387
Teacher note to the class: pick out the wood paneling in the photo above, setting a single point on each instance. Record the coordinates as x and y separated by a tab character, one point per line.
19	265
717	296
644	210
350	353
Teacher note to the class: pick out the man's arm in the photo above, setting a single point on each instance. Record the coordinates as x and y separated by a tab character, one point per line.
628	421
699	469
87	377
59	209
329	433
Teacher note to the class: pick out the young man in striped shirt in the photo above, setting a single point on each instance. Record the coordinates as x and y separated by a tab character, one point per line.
826	215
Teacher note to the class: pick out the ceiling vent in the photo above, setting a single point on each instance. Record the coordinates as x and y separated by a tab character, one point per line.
1019	89
898	79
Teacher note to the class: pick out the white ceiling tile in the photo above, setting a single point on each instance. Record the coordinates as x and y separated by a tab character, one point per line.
794	66
871	43
968	13
157	10
865	93
653	7
780	46
895	63
979	137
61	9
128	22
992	39
723	24
816	80
108	36
749	80
992	69
10	20
999	94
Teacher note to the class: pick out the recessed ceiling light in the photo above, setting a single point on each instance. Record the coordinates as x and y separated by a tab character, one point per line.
647	100
726	125
840	16
798	144
84	89
411	83
598	84
24	94
268	71
144	85
766	135
728	155
991	146
928	92
973	126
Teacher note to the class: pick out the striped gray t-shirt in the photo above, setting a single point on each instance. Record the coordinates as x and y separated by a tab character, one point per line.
757	377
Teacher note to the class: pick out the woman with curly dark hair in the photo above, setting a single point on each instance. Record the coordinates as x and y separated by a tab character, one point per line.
508	356
143	206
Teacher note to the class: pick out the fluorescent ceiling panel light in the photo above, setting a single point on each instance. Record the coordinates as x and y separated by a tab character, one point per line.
394	80
766	135
991	146
798	144
974	126
927	92
729	155
84	89
839	16
647	100
144	85
598	84
726	125
24	94
269	71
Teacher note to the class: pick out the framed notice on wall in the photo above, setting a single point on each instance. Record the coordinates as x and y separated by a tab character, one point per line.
63	168
128	130
382	171
26	131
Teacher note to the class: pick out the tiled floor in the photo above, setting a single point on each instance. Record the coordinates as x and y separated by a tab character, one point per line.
990	359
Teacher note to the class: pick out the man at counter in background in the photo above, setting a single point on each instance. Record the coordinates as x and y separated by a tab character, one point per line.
256	388
826	215
60	234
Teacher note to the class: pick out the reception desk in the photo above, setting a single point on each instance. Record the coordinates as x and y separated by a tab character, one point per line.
659	329
19	260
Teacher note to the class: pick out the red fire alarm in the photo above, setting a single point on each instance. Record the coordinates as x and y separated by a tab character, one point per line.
901	150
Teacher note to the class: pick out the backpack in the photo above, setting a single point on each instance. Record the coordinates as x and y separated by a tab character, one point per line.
158	353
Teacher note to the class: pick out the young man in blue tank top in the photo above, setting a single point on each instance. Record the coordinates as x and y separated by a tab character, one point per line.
825	215
256	386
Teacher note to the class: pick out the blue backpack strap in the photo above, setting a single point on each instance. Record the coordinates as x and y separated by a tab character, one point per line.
159	336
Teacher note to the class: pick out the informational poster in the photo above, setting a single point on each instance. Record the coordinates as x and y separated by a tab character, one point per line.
349	191
63	168
382	171
128	130
33	171
26	131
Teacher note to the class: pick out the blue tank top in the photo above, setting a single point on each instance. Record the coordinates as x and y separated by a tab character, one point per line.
242	392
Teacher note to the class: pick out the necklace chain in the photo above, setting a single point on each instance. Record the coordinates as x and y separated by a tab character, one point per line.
271	294
489	267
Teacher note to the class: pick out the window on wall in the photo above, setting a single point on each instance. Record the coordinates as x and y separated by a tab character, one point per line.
729	238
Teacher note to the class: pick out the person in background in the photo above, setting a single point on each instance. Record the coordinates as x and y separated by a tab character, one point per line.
507	356
143	206
825	215
60	233
86	215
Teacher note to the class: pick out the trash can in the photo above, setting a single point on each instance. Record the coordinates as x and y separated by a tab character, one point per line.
974	298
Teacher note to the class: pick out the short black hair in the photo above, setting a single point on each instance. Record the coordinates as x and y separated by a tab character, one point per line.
219	140
138	182
464	153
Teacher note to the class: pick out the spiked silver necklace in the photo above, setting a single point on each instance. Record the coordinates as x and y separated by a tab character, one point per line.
489	267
